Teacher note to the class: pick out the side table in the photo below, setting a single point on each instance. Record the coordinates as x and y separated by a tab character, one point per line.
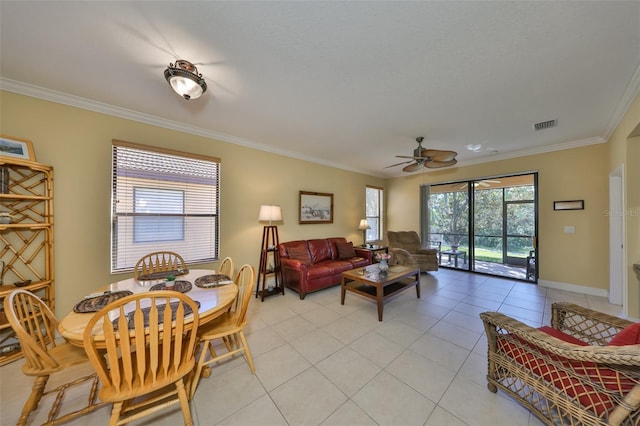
455	255
375	249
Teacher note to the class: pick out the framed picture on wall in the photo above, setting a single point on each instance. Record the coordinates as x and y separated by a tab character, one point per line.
315	207
16	148
569	205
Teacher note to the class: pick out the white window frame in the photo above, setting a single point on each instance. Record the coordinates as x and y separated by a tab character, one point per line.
374	208
192	185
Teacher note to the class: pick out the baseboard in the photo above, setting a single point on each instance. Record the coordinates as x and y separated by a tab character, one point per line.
574	288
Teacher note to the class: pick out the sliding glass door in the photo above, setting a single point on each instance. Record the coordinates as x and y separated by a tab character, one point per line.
449	223
485	225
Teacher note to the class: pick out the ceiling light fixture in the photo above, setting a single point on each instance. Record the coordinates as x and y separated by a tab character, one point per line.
185	80
474	147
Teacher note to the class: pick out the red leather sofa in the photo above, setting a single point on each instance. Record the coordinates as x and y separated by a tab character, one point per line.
310	265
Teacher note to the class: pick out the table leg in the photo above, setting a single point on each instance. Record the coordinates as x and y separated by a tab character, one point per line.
343	290
379	293
455	256
418	285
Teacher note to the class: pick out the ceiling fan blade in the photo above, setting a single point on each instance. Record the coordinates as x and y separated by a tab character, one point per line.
438	155
397	164
412	167
439	164
407	156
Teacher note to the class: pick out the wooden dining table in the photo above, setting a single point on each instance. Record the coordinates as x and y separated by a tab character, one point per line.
214	301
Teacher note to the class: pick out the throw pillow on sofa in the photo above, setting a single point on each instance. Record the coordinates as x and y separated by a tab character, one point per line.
345	250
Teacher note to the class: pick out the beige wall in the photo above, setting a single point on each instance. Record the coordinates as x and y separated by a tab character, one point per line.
77	143
576	174
582	258
626	150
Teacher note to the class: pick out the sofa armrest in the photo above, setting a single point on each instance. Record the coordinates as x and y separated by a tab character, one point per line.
294	264
431	251
399	256
366	254
593	327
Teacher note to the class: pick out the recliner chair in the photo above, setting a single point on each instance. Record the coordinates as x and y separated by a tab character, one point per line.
406	249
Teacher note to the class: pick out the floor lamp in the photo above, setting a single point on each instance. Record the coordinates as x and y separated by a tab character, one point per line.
270	241
364	225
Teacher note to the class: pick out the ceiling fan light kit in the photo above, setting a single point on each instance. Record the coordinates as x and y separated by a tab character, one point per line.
185	80
429	158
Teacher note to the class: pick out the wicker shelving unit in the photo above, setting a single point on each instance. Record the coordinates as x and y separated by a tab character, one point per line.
26	243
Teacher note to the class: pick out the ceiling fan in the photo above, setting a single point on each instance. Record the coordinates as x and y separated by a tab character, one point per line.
429	158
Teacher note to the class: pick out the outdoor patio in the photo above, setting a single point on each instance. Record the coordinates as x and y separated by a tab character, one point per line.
492	268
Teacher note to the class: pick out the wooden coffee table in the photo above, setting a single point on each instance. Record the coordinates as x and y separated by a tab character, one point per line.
370	283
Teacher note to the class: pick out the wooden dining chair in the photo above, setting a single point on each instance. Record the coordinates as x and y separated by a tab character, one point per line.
159	264
226	267
35	326
142	347
229	327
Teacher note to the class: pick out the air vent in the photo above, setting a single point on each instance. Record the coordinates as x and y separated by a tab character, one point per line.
545	125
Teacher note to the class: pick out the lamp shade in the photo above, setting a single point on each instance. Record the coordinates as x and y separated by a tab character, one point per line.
364	224
269	213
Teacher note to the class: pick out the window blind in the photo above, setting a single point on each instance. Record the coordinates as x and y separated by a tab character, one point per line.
163	200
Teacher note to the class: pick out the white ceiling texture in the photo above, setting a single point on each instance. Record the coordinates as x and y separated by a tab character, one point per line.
350	84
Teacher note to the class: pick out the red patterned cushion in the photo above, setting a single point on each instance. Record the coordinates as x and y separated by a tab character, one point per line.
345	250
562	336
629	335
598	375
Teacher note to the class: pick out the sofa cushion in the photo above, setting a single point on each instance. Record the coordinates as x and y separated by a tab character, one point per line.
319	250
323	269
339	266
629	335
299	252
345	250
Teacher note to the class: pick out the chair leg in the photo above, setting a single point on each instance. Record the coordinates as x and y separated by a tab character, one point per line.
184	403
115	413
247	352
34	398
199	365
228	342
212	351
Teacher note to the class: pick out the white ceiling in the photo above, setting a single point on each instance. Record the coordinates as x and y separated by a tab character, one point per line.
350	84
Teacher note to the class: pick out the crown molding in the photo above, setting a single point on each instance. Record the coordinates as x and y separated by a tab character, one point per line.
631	92
534	151
102	108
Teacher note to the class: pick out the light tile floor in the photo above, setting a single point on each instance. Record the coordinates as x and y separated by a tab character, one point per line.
322	363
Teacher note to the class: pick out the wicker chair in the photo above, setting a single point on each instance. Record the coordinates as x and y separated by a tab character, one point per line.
573	373
35	325
143	368
159	265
